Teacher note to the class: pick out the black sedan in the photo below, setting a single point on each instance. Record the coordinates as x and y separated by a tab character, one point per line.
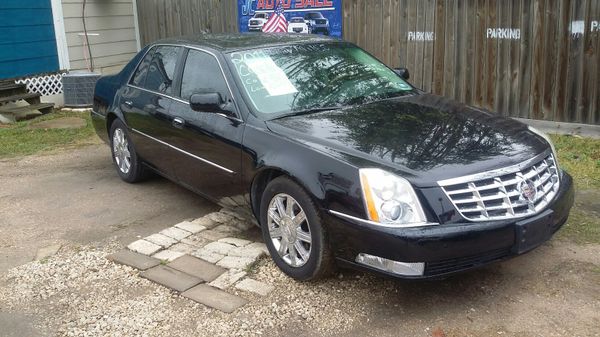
338	157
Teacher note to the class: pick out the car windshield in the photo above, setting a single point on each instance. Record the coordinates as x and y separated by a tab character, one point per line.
297	20
313	16
260	15
290	79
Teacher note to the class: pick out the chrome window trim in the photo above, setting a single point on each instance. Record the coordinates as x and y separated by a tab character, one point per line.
158	93
494	173
238	118
373	223
185	152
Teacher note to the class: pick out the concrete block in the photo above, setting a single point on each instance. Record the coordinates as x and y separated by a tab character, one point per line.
253	253
220	217
218	247
227	279
183	247
196	241
167	255
161	240
197	267
175	233
236	242
47	251
171	278
212	235
205	221
226	229
235	262
144	247
190	227
133	259
254	286
260	246
215	298
208	256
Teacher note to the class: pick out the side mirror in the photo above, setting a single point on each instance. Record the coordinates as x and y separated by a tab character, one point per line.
206	102
402	72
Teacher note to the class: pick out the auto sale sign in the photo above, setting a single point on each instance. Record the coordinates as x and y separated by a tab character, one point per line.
303	16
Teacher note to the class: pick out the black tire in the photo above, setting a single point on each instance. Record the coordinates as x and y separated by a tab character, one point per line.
136	172
320	261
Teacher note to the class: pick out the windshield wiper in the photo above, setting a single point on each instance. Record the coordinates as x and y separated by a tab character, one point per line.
309	111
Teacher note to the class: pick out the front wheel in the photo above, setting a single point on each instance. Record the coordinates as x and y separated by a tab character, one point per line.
125	158
293	231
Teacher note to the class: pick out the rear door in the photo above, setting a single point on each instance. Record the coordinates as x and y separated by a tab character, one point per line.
145	103
212	142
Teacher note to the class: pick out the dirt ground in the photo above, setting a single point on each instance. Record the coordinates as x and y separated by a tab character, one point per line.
75	198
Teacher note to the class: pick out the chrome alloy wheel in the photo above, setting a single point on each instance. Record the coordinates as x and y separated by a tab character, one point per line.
121	151
289	230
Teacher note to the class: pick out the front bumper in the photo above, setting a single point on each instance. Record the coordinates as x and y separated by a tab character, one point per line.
320	29
255	28
449	248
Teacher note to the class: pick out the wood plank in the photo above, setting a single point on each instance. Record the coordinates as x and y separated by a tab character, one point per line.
428	45
502	81
575	68
438	48
515	54
590	64
550	60
479	53
491	52
449	76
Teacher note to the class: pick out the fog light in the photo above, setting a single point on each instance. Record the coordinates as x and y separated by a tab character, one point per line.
391	266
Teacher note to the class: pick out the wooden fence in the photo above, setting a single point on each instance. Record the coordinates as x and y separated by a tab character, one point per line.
160	19
523	58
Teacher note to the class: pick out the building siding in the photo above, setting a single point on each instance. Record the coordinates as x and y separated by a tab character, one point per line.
113	22
27	40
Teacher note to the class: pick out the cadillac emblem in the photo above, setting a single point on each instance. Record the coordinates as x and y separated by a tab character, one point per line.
527	190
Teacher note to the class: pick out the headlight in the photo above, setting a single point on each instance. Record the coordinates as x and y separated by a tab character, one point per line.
545	136
389	199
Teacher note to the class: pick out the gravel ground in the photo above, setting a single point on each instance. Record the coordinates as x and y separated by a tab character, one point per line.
78	292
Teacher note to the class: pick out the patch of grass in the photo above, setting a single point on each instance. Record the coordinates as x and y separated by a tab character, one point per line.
582	227
580	157
19	140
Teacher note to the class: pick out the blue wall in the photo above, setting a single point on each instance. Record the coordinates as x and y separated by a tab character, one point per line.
27	41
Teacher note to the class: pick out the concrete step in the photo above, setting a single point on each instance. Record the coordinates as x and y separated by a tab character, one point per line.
31	98
8	88
42	107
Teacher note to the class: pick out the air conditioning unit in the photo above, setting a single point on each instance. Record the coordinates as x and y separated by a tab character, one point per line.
78	89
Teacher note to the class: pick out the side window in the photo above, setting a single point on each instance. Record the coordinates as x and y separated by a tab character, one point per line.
139	77
202	74
161	71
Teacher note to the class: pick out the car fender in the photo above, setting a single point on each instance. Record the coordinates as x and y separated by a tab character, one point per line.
329	181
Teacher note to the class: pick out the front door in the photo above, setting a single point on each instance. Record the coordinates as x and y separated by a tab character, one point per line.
211	142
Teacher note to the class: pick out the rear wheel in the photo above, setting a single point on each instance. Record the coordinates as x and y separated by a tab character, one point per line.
293	231
125	158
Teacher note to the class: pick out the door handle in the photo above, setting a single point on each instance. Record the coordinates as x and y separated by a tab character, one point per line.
178	122
129	104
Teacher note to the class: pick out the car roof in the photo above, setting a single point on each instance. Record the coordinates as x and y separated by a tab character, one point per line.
239	41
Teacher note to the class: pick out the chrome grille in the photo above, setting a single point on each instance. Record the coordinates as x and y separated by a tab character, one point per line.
503	194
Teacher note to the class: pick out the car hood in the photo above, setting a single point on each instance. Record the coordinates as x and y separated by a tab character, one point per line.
424	138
